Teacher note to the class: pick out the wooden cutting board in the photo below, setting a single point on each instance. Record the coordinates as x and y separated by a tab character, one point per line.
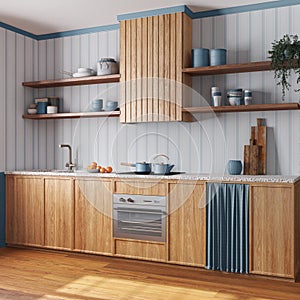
255	154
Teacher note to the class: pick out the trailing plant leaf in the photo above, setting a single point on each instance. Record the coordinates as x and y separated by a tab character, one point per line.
285	57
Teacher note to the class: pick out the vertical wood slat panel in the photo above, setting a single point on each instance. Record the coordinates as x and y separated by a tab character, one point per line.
155	68
174	63
186	60
128	71
133	70
167	62
145	69
161	61
138	70
179	64
150	68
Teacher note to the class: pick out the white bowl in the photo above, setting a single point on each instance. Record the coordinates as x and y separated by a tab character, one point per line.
51	109
32	111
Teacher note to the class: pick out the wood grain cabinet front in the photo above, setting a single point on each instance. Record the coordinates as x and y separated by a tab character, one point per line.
59	213
24	210
93	216
274	231
187	224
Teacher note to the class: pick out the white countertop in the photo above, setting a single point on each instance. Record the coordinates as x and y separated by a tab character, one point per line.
204	177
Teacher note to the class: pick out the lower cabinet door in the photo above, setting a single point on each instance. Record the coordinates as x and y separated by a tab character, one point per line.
25	210
187	224
93	215
272	231
59	213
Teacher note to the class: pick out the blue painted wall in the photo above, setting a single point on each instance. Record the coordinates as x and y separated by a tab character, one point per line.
2	210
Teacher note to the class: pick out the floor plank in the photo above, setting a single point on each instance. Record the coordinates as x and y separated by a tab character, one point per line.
27	274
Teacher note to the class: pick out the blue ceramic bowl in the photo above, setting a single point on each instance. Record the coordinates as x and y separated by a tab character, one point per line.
234	167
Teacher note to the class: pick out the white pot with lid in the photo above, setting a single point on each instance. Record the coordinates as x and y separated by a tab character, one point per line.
107	66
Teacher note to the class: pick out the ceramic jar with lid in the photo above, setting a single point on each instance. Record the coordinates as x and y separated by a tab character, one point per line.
107	66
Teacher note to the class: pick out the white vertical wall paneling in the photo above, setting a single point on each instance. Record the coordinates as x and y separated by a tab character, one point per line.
50	69
283	122
3	102
295	98
11	101
28	98
19	102
247	36
41	141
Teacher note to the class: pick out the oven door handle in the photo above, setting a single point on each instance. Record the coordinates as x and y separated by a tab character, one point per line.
157	212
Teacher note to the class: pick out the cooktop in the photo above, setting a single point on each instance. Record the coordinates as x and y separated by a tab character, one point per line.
147	173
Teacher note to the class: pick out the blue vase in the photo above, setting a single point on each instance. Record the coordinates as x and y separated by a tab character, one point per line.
234	167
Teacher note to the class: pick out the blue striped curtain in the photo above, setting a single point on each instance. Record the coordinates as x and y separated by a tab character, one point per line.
227	227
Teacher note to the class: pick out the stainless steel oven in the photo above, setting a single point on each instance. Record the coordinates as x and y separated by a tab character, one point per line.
140	217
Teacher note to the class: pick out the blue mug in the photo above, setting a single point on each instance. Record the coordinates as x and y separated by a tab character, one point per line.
234	167
217	57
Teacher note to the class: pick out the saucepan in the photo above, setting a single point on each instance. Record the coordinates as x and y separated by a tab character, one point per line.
140	167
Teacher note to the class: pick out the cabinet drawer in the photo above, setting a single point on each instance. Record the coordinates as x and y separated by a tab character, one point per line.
138	249
138	187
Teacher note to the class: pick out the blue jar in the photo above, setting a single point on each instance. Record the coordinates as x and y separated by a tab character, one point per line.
217	57
42	107
234	167
200	57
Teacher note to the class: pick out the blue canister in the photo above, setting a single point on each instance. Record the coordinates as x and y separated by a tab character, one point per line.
234	167
217	57
42	107
200	57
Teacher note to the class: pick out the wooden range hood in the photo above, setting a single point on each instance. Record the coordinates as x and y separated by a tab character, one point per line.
153	52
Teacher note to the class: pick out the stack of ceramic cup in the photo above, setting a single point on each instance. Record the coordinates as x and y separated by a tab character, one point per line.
97	105
235	97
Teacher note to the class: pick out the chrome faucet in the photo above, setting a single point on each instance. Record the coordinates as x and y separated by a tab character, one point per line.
69	164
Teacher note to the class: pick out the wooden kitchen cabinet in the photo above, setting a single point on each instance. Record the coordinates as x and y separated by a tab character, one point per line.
153	51
93	216
187	223
59	213
274	230
24	210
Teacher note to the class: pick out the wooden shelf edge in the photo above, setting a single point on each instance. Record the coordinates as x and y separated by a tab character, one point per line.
72	115
243	108
73	81
230	68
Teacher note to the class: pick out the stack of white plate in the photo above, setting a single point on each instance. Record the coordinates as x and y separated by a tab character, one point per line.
84	72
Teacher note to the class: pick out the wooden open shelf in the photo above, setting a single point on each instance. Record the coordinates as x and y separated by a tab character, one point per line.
72	115
227	69
243	108
73	81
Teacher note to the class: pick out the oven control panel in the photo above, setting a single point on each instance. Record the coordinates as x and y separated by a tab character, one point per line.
139	199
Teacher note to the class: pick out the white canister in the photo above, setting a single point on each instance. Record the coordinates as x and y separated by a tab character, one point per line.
107	66
51	109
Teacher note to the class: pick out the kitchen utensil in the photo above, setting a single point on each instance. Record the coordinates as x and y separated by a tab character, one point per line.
42	107
32	111
234	167
51	109
217	57
107	66
140	167
200	57
161	167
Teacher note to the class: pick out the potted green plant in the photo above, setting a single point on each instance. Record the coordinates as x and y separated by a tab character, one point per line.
285	57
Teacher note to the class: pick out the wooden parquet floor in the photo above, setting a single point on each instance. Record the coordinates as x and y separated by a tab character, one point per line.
32	274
